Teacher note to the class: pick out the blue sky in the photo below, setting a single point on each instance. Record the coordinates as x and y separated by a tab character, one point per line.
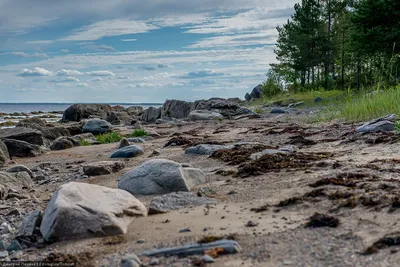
135	51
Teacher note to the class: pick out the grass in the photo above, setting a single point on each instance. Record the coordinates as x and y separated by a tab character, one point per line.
397	127
139	133
84	143
109	138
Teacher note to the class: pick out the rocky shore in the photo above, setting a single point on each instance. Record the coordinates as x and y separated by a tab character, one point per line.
200	183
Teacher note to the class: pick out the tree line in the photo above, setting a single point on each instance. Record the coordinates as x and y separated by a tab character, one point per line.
339	44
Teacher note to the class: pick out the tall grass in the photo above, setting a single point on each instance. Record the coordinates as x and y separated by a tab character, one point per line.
139	133
109	138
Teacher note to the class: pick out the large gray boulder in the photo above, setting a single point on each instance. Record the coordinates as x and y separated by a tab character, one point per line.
96	126
384	124
20	168
48	130
151	114
225	107
102	167
177	109
203	115
31	136
160	176
127	152
118	117
4	156
205	149
176	201
78	112
79	210
255	94
17	148
14	181
64	142
134	110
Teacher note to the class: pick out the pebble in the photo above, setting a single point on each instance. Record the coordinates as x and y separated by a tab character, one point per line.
15	212
131	257
129	263
207	259
16	255
154	261
141	241
3	254
184	230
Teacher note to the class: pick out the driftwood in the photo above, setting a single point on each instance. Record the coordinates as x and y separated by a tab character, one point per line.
228	246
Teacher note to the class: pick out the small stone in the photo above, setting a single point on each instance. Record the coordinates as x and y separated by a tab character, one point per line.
278	111
184	230
154	261
16	255
131	260
3	254
251	224
141	241
15	212
155	152
207	259
123	143
14	246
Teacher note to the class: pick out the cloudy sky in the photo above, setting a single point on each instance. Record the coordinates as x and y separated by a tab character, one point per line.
134	51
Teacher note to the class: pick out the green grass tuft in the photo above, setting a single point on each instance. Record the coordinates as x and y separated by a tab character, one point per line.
109	138
397	127
84	143
139	133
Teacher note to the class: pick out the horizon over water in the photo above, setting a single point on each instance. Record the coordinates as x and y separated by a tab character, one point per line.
47	107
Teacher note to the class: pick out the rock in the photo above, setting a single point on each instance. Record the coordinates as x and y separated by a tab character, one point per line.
278	111
14	181
205	149
28	229
151	114
156	152
14	246
228	246
207	259
258	155
131	260
140	241
184	230
81	137
177	109
160	176
3	254
176	201
384	124
48	130
134	110
117	118
102	167
30	136
127	152
224	107
199	115
154	262
165	120
20	168
123	143
14	212
79	210
136	140
318	100
78	112
17	148
64	142
4	156
96	126
255	94
74	128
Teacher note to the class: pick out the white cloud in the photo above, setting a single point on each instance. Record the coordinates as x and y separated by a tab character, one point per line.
82	85
100	47
128	40
34	72
38	42
64	50
23	54
65	72
123	78
109	28
202	74
97	79
66	80
100	73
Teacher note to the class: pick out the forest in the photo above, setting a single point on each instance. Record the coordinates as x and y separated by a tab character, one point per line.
338	44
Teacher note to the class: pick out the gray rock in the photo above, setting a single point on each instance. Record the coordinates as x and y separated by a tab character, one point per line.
97	126
177	109
130	260
4	156
160	176
200	115
3	254
17	148
384	124
20	168
102	167
156	152
123	143
78	112
151	114
64	142
117	118
14	181
205	149
225	107
255	94
129	263
318	100
49	130
28	135
128	152
134	110
32	220
79	210
14	246
85	136
278	111
136	140
176	201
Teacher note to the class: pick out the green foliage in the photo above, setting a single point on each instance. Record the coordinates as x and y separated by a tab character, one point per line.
272	86
259	111
139	133
397	127
109	138
84	143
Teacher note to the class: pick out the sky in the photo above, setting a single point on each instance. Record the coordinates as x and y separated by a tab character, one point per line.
129	51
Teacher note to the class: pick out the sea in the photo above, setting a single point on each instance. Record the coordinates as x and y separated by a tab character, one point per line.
55	110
